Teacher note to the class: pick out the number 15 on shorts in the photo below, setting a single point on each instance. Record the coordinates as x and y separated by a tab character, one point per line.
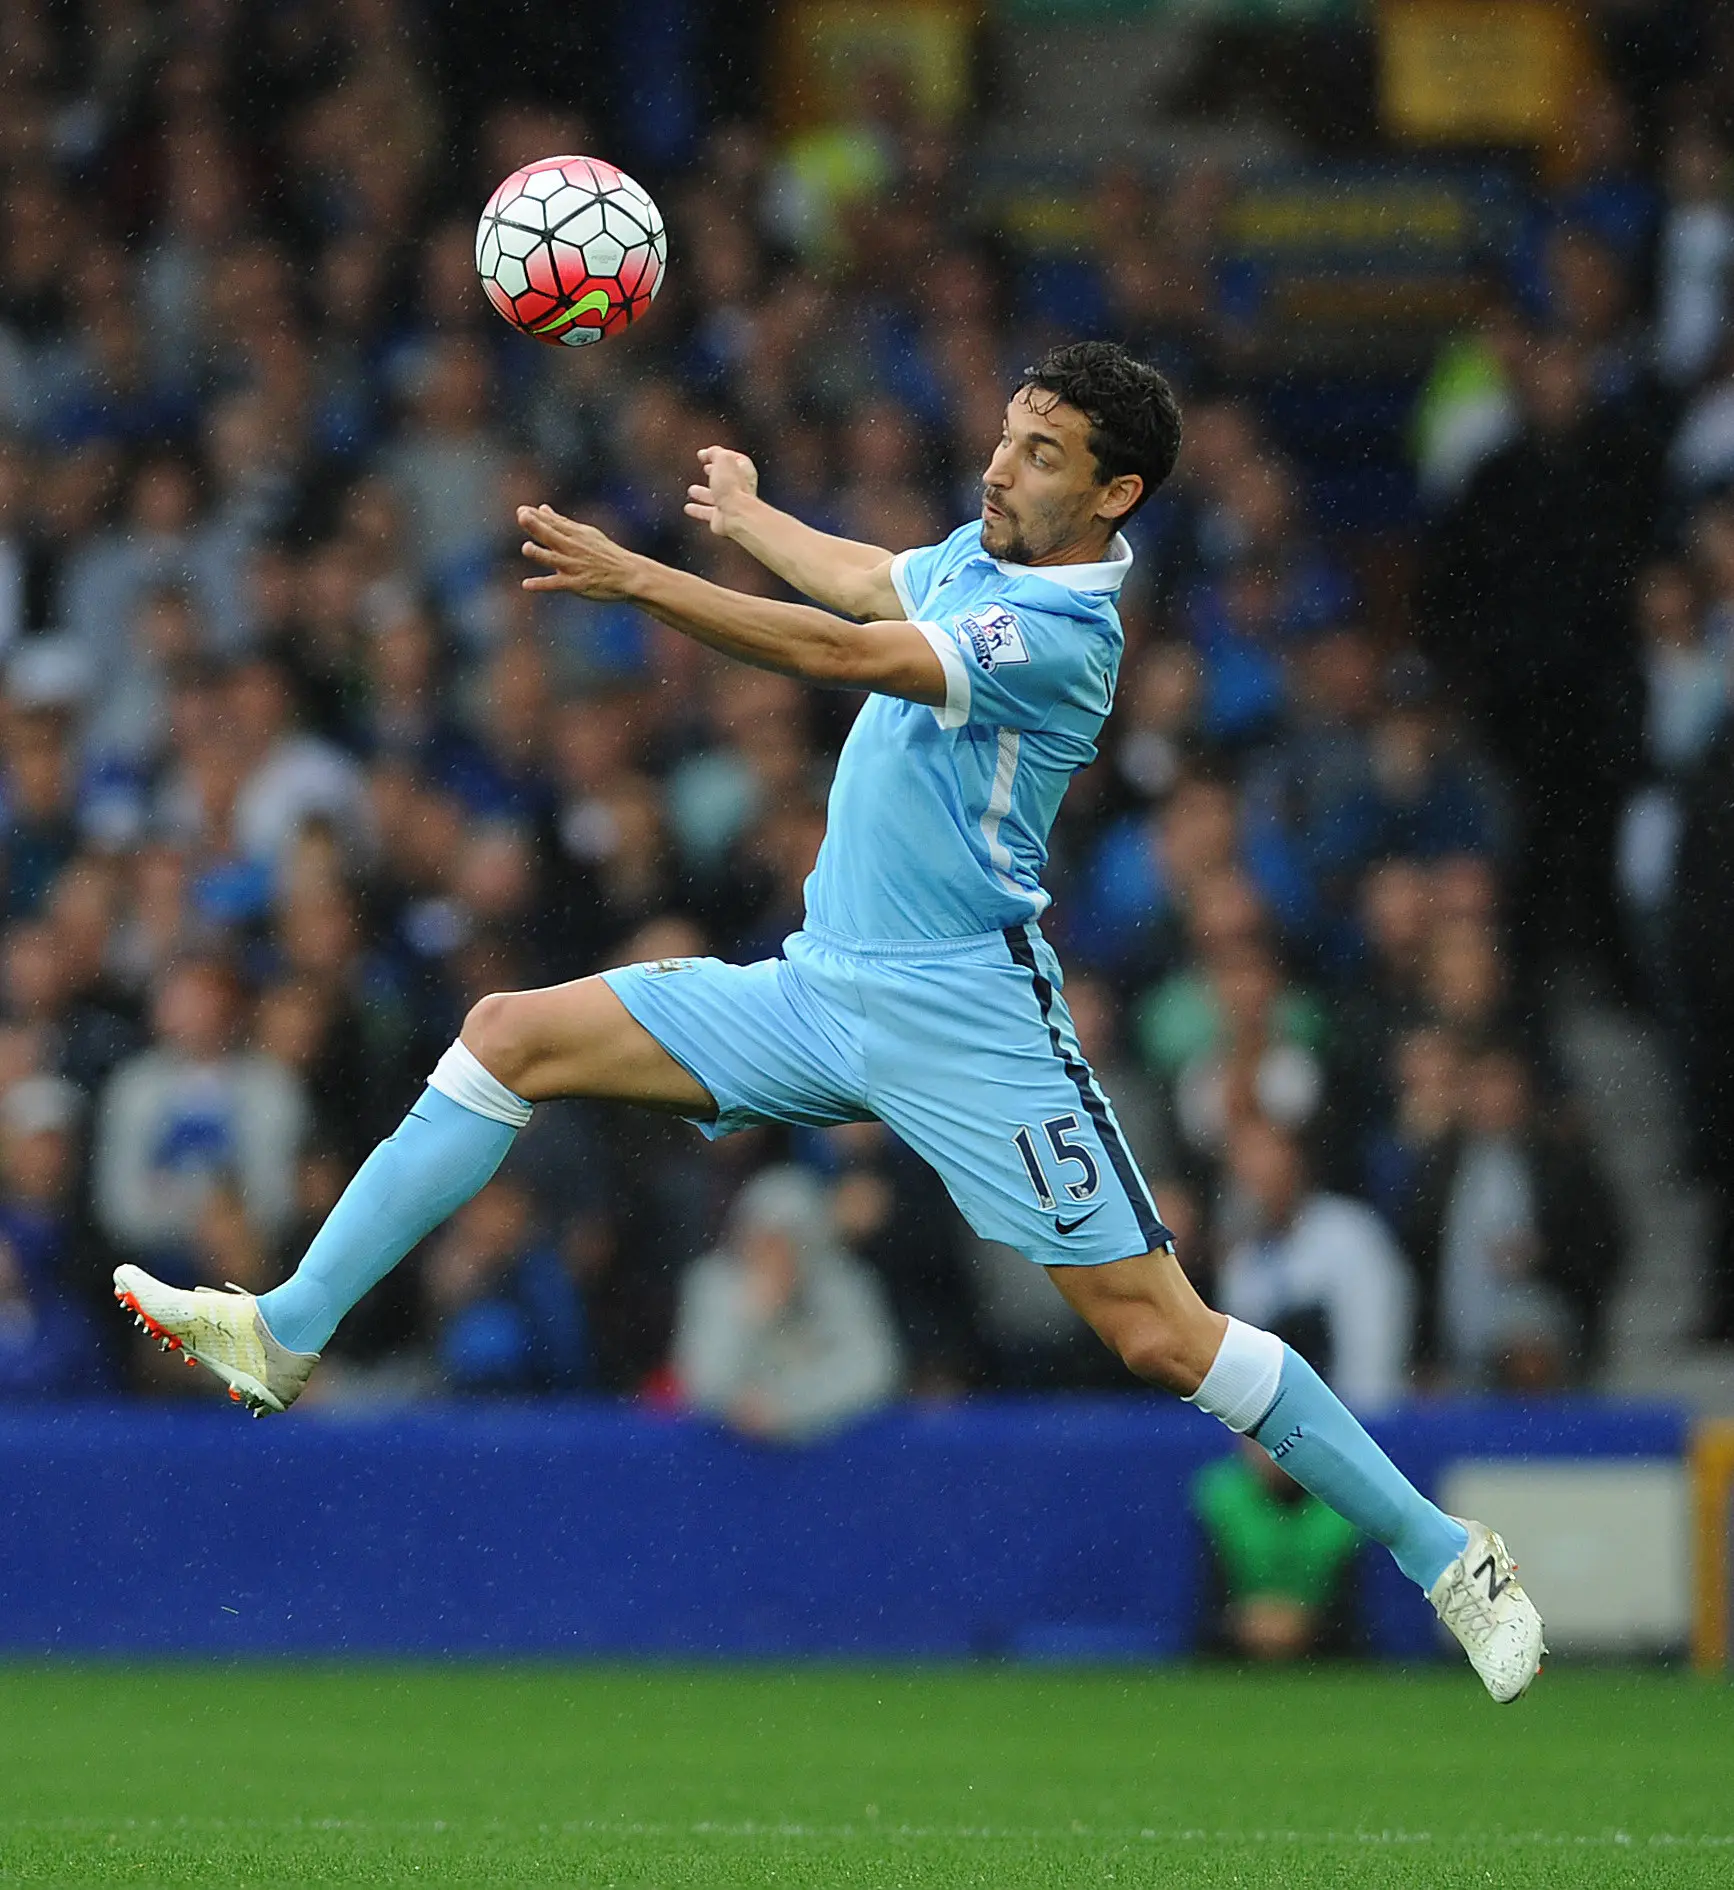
1055	1132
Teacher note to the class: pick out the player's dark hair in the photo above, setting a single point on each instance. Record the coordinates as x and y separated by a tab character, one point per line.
1133	414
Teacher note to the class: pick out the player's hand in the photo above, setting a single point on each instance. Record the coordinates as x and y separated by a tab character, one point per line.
729	479
579	557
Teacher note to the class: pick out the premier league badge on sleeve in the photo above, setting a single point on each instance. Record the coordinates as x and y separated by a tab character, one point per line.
994	637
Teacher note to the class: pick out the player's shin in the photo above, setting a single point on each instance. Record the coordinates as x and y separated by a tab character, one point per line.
443	1152
1259	1386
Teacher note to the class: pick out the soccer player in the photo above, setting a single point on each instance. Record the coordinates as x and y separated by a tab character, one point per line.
920	989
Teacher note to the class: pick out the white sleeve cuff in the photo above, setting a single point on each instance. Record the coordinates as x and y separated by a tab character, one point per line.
900	584
956	710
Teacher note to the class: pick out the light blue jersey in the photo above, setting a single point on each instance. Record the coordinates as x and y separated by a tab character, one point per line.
938	820
921	991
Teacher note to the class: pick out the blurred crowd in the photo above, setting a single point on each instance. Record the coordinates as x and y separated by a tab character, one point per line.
293	771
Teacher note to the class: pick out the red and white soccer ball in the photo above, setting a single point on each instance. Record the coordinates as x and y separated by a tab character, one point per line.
570	249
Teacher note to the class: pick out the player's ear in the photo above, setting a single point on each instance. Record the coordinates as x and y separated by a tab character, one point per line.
1119	496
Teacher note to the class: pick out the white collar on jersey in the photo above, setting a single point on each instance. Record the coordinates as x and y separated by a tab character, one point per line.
1109	575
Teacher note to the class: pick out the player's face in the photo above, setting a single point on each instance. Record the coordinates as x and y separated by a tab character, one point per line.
1041	493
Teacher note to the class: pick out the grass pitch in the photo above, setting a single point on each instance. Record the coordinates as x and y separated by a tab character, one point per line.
658	1778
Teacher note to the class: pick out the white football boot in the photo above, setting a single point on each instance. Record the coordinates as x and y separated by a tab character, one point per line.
221	1331
1480	1600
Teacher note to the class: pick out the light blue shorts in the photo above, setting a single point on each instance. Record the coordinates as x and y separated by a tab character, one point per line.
963	1047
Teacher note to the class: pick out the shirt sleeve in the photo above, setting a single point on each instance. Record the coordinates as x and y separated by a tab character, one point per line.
914	574
1008	666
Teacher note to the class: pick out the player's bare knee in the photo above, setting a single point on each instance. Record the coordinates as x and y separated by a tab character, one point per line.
495	1034
1155	1350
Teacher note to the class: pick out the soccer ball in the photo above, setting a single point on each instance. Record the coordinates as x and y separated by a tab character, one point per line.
570	249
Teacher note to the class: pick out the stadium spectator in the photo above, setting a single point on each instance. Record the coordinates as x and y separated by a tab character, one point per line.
60	1029
1695	259
160	544
1383	992
51	1264
1468	409
891	1209
1411	1151
505	1311
1322	1270
1685	694
1280	1561
1155	726
1239	1044
37	802
781	1332
1147	870
1527	610
1528	1239
288	778
128	726
189	1116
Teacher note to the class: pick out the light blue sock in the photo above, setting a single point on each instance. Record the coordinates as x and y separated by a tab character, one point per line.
1264	1389
442	1153
1319	1442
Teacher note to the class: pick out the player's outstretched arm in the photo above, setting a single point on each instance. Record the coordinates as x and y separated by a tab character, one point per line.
890	656
840	573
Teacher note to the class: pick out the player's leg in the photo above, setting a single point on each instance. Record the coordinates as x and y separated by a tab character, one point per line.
724	1045
579	1039
516	1049
981	1072
1147	1311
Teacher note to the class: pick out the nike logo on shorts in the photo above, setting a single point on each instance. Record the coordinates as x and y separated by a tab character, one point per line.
1069	1227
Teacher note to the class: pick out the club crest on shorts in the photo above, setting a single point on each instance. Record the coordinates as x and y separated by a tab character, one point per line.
994	636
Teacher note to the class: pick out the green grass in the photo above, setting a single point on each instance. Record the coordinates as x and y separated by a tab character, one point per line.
667	1777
